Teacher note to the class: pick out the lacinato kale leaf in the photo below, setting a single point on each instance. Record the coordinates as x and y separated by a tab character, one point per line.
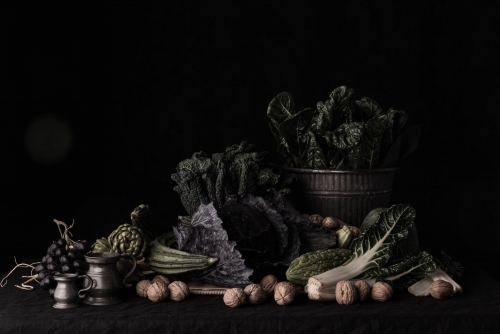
240	170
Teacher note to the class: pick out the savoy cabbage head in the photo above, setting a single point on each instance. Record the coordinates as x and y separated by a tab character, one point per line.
252	236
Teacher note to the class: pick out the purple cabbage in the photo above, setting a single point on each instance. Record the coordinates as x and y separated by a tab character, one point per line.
252	236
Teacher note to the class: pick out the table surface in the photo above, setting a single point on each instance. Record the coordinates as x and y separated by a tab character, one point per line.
477	310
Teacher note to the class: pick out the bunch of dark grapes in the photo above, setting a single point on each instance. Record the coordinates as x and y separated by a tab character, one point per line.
62	258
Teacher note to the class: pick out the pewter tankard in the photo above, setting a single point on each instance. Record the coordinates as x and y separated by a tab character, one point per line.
107	281
66	294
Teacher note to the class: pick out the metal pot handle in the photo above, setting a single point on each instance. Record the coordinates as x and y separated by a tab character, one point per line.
80	294
128	285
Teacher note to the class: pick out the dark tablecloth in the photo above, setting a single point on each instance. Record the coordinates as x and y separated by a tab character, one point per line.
477	310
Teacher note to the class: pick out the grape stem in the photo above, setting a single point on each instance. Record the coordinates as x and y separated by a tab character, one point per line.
65	234
23	285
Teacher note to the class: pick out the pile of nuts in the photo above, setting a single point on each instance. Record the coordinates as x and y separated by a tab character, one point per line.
331	223
350	292
284	293
161	288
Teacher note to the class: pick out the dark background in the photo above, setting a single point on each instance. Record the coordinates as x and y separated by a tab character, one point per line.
133	87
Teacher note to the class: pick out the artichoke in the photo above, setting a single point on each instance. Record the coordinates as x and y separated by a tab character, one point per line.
101	245
128	239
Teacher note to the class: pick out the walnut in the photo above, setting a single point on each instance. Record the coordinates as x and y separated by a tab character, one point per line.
364	290
330	223
235	297
305	216
381	291
316	219
268	283
441	289
178	291
355	231
142	288
346	292
158	292
285	293
161	278
255	293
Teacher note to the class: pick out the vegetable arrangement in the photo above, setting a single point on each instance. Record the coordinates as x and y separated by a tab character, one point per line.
340	133
381	253
251	236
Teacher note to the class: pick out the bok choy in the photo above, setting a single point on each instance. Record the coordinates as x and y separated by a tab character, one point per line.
371	251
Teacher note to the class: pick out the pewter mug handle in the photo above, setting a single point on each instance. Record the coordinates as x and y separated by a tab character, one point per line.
80	294
128	285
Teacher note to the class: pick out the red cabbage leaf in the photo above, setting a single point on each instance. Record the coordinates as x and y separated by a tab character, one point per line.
206	236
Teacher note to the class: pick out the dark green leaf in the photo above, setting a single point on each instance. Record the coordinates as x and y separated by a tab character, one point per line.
324	117
367	109
346	136
405	271
341	95
280	108
291	131
315	157
381	237
373	131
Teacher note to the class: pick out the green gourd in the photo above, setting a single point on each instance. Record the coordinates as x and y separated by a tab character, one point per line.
164	259
314	263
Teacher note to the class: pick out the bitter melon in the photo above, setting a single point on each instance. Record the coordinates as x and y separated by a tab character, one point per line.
315	263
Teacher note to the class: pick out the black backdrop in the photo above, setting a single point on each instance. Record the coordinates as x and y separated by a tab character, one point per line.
129	88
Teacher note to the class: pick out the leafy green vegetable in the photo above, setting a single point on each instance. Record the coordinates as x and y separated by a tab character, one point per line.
340	133
371	250
387	250
239	170
404	271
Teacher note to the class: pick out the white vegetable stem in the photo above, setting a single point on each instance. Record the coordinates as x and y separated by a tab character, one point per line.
421	288
314	293
323	285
